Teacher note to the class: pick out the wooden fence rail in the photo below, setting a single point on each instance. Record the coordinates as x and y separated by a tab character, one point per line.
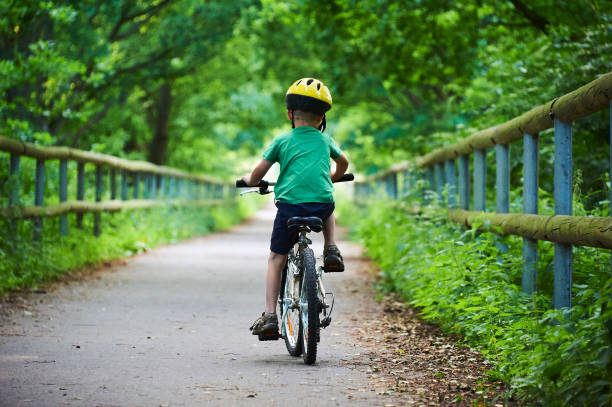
151	185
447	169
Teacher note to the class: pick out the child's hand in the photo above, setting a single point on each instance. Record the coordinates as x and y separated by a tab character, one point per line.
341	167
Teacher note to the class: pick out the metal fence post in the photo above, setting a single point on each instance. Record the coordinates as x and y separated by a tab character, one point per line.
162	186
97	214
390	182
464	182
136	185
80	191
153	186
13	193
124	185
14	171
408	182
113	184
146	193
480	180
502	178
39	195
530	206
563	206
429	185
502	183
63	194
451	181
439	181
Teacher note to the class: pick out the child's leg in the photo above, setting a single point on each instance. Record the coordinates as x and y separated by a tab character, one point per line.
276	262
329	230
332	259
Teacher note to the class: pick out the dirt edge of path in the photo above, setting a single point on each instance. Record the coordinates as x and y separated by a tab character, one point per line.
412	362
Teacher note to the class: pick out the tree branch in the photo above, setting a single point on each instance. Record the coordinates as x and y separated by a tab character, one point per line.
95	13
538	21
94	119
114	35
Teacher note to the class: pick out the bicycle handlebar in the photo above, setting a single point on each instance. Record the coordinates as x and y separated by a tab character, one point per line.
262	184
265	184
346	178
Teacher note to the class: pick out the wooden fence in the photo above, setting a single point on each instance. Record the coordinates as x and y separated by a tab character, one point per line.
447	169
160	185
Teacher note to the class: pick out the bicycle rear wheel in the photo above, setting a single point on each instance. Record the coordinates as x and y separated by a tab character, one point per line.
290	311
309	307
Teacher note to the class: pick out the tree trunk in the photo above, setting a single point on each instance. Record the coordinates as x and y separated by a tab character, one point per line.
159	144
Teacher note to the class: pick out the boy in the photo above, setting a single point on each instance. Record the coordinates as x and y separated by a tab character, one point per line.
304	186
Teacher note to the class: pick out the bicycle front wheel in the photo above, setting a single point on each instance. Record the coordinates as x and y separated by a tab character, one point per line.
309	307
290	310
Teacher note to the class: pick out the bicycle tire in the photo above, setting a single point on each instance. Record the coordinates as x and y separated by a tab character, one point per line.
309	307
292	331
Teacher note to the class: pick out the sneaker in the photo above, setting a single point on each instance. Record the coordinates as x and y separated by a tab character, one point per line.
266	326
332	259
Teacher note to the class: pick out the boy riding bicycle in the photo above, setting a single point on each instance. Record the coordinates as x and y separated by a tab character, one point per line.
304	186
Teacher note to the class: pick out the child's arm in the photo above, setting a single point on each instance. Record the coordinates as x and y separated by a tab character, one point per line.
341	166
258	173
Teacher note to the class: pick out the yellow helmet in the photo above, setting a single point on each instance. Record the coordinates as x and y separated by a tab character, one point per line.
309	95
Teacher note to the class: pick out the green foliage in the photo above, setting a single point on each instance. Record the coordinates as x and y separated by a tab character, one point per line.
25	264
462	281
91	74
406	77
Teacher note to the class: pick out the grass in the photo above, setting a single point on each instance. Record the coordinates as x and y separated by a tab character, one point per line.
25	264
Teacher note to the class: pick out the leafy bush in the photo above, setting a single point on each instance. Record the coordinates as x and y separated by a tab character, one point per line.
461	280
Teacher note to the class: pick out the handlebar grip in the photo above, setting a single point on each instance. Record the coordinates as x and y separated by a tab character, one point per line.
262	184
346	178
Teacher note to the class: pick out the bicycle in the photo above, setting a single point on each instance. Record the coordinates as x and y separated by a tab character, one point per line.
303	302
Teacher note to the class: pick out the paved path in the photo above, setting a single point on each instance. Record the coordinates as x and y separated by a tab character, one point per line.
170	328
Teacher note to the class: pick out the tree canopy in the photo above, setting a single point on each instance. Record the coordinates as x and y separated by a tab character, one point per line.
200	84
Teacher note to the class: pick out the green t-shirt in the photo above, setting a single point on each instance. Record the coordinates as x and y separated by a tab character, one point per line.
303	155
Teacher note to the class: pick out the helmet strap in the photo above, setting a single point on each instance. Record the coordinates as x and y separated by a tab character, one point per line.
323	124
292	122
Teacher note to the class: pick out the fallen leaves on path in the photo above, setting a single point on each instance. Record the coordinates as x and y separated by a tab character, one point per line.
413	363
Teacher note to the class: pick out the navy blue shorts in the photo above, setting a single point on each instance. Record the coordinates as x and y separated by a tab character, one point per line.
282	241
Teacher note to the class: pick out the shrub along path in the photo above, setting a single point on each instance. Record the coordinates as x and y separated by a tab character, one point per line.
170	327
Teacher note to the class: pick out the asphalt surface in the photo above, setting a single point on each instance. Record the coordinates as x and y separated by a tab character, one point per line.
170	328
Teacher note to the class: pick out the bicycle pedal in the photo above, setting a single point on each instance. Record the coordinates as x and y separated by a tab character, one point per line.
325	322
270	336
334	268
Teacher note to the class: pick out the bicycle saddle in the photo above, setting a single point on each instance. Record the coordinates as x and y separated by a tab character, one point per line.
312	222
